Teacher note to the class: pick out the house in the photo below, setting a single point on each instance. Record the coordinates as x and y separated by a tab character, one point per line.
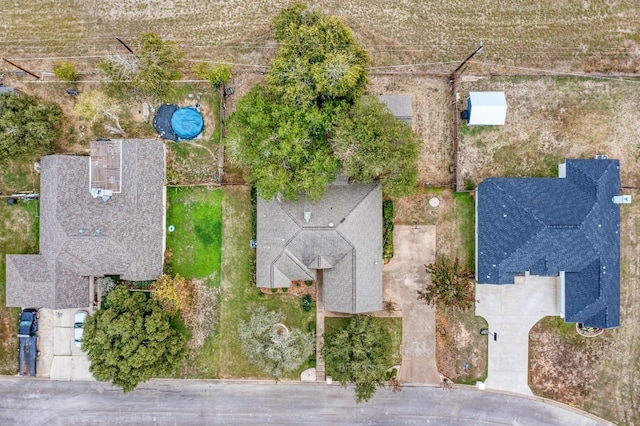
567	227
99	215
336	241
399	105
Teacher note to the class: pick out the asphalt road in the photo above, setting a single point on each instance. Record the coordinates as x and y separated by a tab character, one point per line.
185	402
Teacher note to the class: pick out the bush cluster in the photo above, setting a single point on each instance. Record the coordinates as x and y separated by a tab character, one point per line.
387	229
307	303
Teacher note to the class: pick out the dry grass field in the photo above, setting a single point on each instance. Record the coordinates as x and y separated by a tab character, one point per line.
591	35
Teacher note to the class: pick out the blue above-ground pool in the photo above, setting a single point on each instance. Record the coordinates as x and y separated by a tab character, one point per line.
187	123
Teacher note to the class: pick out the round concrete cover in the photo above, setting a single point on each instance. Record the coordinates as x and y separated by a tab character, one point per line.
434	202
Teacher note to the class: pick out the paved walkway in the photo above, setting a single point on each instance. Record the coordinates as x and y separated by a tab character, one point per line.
403	276
511	311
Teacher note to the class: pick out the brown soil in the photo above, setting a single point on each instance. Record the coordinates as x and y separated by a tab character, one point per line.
297	288
461	352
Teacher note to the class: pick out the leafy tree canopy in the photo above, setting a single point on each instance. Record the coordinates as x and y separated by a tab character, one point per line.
358	354
267	343
150	71
64	70
284	146
319	58
372	144
451	285
130	340
28	125
216	74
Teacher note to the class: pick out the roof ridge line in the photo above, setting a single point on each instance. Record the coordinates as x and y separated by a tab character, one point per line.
358	203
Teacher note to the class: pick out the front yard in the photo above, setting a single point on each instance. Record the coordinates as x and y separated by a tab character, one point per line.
213	244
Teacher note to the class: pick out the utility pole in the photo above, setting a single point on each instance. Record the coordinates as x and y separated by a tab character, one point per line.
454	80
126	47
475	52
20	68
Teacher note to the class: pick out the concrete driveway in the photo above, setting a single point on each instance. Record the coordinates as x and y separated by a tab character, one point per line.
403	276
511	311
60	358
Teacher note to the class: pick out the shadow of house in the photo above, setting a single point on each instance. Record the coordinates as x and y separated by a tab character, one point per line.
336	240
568	227
99	215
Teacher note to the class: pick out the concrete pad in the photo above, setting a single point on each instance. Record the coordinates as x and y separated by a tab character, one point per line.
71	368
308	375
511	311
419	345
403	276
62	341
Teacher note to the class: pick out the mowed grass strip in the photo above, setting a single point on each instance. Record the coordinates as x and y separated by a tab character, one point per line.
223	357
18	234
196	214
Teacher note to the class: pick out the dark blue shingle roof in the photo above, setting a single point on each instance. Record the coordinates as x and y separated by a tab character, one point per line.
548	225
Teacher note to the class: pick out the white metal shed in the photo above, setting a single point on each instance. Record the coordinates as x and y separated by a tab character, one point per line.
487	108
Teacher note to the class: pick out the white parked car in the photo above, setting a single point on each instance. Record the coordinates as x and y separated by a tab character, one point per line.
78	326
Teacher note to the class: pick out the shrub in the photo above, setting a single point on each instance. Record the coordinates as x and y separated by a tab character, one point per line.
105	285
216	74
308	283
387	229
285	289
307	302
312	327
274	290
65	71
451	285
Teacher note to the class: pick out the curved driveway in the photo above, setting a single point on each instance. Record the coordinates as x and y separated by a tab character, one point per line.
189	402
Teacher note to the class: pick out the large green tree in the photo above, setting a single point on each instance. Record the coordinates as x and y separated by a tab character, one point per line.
371	144
283	146
150	71
269	344
358	354
28	125
131	340
318	59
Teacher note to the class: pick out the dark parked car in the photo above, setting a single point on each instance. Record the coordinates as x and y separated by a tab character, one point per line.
28	322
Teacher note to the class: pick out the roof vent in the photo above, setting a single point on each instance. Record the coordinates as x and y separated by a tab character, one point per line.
98	232
307	216
331	224
601	157
622	199
81	231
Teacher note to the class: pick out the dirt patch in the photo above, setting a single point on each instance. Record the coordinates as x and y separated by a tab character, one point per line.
461	352
548	120
298	288
431	121
564	365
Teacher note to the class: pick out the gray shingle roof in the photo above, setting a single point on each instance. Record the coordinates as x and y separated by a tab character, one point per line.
342	238
82	236
549	225
400	106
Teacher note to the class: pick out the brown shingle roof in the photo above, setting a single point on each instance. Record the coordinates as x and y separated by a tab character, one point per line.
82	236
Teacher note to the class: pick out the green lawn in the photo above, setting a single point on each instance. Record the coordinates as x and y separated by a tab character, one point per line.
464	205
18	234
196	214
221	356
